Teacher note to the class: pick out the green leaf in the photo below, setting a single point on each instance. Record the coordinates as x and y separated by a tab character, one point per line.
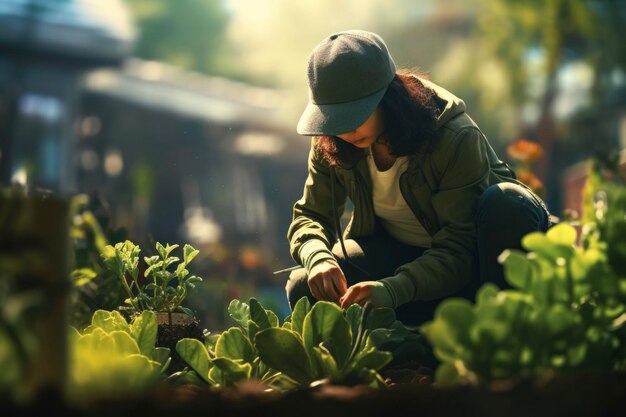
180	270
240	312
488	333
442	340
186	377
325	363
378	337
486	293
258	314
109	321
82	276
227	372
171	260
458	313
185	310
233	344
273	318
562	233
164	251
372	359
144	330
253	329
160	355
189	253
353	315
325	321
560	319
381	317
282	350
517	269
151	260
112	261
535	241
123	342
193	280
301	309
447	376
540	243
396	335
193	352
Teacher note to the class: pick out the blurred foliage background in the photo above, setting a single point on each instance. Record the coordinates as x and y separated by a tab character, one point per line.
509	59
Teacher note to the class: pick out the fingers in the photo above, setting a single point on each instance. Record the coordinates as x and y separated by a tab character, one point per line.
315	289
327	282
352	296
342	286
357	294
330	292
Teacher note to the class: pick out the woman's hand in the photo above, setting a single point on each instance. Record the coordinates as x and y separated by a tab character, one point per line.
365	291
327	282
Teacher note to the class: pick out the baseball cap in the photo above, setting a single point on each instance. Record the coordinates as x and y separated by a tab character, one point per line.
348	74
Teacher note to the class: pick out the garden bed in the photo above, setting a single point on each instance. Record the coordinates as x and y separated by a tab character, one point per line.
582	395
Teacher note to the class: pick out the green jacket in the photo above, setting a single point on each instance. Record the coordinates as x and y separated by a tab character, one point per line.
442	187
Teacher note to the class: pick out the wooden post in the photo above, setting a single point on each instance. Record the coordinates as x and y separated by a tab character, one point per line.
34	255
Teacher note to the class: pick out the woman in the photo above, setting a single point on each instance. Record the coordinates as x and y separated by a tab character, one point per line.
433	206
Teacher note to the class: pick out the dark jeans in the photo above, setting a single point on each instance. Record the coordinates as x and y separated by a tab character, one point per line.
506	212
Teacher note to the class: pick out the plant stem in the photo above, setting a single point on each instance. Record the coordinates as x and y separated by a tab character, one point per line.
128	291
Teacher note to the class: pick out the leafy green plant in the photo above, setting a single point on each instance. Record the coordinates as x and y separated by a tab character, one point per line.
112	357
566	314
163	289
231	357
94	285
317	344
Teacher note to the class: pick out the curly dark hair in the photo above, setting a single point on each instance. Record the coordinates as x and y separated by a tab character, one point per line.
410	113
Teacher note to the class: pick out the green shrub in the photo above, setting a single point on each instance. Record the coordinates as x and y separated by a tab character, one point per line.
565	314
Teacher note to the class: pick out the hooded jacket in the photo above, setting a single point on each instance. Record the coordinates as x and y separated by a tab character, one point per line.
442	187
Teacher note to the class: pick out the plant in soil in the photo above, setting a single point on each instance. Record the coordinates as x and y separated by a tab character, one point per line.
165	284
319	344
112	358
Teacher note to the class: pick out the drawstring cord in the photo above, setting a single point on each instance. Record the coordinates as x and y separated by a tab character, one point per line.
338	225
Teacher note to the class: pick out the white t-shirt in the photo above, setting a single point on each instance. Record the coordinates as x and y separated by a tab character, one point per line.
389	204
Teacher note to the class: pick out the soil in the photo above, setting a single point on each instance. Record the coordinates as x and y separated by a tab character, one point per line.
585	395
169	334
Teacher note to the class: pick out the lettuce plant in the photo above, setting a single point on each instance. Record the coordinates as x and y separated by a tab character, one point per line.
111	357
162	290
230	357
566	313
316	344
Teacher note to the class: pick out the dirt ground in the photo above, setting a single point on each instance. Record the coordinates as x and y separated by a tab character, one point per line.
583	395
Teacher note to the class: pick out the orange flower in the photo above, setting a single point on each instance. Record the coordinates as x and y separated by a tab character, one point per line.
250	258
525	151
530	180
